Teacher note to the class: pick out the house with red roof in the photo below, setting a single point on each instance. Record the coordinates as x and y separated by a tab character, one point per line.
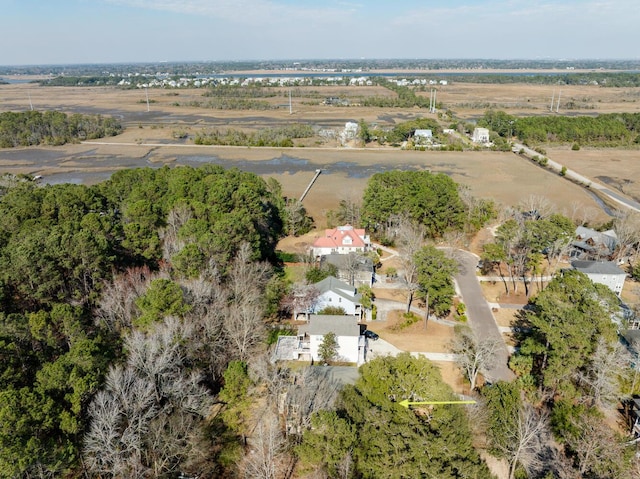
341	240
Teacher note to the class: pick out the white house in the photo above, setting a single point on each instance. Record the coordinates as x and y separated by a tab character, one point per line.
334	292
602	272
305	346
351	343
350	130
480	135
421	137
341	240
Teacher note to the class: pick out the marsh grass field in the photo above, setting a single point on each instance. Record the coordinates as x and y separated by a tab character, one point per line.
164	135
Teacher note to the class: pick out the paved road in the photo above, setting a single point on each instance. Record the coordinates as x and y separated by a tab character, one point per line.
481	319
613	195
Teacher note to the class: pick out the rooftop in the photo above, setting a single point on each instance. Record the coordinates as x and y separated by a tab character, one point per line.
597	267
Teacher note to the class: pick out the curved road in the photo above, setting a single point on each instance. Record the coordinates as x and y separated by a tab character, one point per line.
613	195
481	318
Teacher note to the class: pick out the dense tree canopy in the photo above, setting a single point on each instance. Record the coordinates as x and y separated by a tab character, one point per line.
59	248
426	198
563	325
384	439
52	128
609	129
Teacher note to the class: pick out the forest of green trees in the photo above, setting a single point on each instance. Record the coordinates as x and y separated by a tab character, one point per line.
32	128
611	129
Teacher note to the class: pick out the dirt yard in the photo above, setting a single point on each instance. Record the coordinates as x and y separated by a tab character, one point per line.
433	339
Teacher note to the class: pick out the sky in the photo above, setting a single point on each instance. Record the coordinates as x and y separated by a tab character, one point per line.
34	32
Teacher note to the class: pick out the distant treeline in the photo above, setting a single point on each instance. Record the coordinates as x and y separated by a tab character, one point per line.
406	97
53	128
277	137
612	129
254	90
329	65
81	81
604	79
233	104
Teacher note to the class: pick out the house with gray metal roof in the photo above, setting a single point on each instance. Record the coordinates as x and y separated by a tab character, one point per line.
333	292
306	345
602	272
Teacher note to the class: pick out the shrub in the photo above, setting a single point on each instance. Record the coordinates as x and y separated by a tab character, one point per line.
575	147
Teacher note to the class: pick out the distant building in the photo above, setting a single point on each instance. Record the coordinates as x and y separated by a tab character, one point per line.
353	268
602	272
480	135
350	130
341	240
421	137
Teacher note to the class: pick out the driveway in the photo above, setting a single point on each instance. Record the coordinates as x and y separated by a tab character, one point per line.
481	319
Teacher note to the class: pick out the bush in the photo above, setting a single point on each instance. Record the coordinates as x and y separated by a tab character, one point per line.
575	147
408	320
563	171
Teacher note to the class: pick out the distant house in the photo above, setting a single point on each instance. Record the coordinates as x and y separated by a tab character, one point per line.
602	272
352	268
480	135
422	137
333	292
350	130
341	240
593	245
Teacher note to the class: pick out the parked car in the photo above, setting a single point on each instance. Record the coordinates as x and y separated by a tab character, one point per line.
370	335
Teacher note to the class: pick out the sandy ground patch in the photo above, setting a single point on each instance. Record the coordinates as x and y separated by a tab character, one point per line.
433	339
505	316
616	168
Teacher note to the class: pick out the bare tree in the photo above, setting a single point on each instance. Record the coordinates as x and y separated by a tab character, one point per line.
627	229
598	451
310	390
245	308
147	420
540	206
527	440
117	307
267	458
603	375
410	238
473	356
300	298
171	242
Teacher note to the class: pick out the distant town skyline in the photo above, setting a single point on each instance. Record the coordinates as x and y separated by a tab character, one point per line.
39	32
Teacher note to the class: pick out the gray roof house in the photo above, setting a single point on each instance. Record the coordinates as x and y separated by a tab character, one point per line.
334	292
305	346
353	268
602	272
593	245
